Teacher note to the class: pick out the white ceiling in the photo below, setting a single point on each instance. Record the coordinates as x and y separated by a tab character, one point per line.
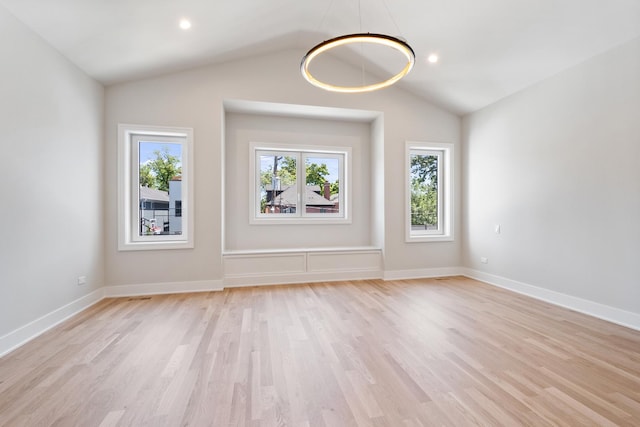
488	48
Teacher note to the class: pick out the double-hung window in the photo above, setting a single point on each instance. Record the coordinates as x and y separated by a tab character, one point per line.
296	184
155	189
429	192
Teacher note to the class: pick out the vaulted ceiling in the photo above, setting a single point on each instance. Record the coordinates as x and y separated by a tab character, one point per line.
487	49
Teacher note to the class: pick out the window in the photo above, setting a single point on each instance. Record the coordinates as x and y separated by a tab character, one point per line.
155	193
298	184
429	192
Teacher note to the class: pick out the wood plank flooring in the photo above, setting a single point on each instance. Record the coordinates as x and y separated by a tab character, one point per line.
433	352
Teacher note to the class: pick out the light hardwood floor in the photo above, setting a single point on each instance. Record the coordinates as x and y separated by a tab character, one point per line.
436	352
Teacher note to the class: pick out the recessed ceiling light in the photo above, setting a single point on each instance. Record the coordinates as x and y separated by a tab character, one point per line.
185	24
433	58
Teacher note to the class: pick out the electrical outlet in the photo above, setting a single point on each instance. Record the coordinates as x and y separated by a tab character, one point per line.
484	260
82	280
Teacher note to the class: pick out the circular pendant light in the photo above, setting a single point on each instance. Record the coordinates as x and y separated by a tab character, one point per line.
379	39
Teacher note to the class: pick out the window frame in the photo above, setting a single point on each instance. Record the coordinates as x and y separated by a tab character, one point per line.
445	154
128	187
301	152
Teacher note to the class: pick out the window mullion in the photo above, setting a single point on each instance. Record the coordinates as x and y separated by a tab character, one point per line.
302	172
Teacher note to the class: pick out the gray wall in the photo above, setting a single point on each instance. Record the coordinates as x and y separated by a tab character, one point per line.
558	167
52	194
194	99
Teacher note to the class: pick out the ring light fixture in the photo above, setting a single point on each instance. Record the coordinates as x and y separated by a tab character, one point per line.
371	38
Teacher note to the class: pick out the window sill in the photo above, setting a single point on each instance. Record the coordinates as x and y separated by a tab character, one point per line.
351	249
428	239
154	246
298	221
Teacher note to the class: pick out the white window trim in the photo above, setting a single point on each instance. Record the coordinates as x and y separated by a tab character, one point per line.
128	240
445	232
345	201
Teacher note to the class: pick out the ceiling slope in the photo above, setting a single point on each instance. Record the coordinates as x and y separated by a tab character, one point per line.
488	49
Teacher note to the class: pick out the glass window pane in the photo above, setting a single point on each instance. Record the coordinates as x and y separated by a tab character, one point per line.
298	186
160	188
278	189
322	191
424	192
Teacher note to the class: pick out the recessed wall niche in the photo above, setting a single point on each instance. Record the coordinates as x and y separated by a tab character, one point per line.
248	121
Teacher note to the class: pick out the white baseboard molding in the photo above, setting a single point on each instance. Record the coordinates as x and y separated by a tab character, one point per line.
238	281
162	288
33	329
422	273
601	311
26	333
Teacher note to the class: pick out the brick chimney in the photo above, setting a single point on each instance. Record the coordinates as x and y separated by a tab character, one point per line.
327	191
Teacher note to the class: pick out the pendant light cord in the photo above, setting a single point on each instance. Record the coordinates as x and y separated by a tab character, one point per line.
324	16
384	3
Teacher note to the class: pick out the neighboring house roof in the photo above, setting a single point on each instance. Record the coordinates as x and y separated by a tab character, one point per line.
289	197
176	178
314	199
147	193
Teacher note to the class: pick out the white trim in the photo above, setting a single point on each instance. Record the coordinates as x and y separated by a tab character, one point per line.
297	110
446	153
20	336
591	308
162	288
351	249
300	266
237	281
126	240
300	152
35	328
422	273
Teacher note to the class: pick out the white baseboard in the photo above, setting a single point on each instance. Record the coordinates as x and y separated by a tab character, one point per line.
162	288
31	330
238	281
601	311
422	273
26	333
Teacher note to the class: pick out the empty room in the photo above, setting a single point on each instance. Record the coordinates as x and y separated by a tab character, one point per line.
324	213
